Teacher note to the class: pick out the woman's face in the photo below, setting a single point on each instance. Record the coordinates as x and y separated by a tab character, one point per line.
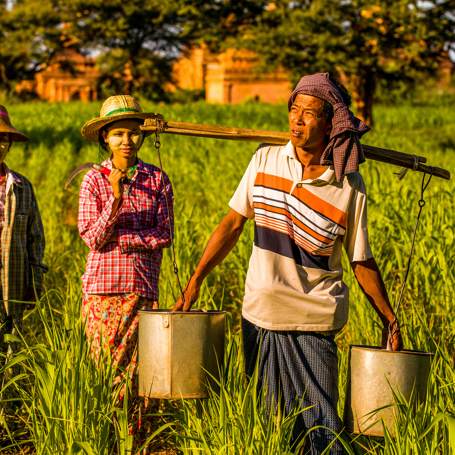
5	145
124	137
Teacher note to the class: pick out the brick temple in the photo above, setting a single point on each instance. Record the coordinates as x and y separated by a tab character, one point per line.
229	77
69	76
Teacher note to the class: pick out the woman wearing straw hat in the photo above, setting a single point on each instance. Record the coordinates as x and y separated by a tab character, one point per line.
124	221
22	245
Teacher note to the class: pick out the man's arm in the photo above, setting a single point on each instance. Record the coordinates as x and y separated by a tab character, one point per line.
372	285
218	247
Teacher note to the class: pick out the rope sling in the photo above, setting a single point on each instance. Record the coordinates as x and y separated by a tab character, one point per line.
159	129
421	205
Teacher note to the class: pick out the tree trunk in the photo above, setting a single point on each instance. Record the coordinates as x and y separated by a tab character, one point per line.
128	77
363	86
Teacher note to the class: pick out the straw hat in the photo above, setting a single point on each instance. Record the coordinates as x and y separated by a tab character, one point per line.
115	108
6	127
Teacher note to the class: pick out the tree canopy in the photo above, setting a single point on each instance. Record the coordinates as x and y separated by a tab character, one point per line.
29	35
139	37
365	42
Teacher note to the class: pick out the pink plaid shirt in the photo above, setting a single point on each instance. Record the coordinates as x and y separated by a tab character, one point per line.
132	264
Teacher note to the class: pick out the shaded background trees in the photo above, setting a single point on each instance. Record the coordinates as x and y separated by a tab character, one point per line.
370	44
29	35
388	42
138	40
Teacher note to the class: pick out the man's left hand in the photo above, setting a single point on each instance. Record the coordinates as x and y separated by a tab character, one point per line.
395	336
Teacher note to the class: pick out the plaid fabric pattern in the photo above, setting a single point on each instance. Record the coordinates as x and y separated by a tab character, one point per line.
2	212
132	264
298	366
344	150
22	243
113	321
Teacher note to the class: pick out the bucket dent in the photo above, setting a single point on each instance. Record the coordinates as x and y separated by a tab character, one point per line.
179	352
372	373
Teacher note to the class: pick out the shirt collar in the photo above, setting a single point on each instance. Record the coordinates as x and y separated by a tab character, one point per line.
141	166
11	177
289	150
327	177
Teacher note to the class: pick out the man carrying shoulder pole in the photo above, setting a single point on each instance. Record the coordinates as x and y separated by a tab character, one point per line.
308	201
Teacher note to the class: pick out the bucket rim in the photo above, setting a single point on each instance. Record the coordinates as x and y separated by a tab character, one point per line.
192	312
379	349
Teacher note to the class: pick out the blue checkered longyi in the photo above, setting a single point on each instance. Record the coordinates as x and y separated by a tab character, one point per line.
302	366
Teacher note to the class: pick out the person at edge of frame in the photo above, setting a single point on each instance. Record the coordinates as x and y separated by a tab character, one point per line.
307	200
22	250
125	223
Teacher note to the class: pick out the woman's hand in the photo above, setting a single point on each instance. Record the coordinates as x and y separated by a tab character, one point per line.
114	237
114	179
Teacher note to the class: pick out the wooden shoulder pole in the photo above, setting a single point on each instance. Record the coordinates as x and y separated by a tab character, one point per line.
278	138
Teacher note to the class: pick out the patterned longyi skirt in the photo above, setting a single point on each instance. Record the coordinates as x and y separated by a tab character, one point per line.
116	317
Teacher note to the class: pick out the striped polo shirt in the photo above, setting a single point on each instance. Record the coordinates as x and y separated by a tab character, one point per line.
295	276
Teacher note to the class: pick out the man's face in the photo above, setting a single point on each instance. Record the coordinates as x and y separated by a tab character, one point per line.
307	123
5	145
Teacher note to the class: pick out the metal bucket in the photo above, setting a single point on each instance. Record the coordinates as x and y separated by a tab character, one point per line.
178	352
372	372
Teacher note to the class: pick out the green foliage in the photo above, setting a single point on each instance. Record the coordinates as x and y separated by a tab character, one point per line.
232	420
146	75
185	96
69	402
28	37
137	41
368	42
205	173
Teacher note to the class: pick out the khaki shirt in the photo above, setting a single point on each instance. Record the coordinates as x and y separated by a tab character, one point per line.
295	276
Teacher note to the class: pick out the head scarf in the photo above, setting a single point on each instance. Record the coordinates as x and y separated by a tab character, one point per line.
344	150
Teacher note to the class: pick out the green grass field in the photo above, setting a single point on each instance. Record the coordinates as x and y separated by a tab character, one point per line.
67	400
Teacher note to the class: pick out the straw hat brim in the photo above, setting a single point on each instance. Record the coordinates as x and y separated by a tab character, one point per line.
16	136
91	129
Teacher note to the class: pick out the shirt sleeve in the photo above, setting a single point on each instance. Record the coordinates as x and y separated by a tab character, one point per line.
242	201
156	237
355	240
36	244
94	225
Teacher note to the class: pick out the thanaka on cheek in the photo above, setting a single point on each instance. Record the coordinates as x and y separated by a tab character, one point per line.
115	142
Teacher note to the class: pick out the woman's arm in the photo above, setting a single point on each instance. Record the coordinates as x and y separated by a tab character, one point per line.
96	220
153	238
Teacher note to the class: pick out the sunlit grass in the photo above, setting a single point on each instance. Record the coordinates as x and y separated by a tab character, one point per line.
205	173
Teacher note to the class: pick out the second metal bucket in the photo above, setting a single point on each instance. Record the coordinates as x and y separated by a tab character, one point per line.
372	372
179	352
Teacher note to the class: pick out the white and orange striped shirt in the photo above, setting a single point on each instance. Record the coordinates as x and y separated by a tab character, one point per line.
295	276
